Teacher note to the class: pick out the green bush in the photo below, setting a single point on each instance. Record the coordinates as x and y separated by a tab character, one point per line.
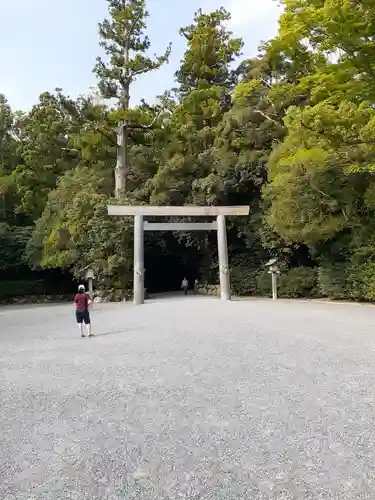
20	288
264	284
298	282
114	295
347	281
295	283
244	280
37	299
13	241
332	281
361	282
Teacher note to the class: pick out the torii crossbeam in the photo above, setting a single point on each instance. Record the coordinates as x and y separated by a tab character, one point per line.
139	212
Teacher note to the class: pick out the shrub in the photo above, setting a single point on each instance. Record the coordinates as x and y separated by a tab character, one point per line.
207	289
295	283
361	282
114	295
264	284
20	288
332	281
298	282
244	279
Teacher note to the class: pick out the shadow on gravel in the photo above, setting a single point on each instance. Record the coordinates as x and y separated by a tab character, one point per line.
114	332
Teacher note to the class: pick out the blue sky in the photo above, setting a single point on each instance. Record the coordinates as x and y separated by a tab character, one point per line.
54	43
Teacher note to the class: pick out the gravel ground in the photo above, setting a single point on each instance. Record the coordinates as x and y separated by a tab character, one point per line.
190	399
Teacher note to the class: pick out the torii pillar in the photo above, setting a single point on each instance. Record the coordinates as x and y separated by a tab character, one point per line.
139	265
223	257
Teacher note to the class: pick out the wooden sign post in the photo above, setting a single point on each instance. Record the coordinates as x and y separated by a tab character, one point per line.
90	277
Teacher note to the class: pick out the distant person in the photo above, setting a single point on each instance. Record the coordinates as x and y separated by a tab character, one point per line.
185	285
81	302
196	286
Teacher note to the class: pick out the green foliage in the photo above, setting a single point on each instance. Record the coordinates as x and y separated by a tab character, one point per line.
75	230
361	281
298	282
206	81
211	50
45	149
122	38
348	281
13	241
244	280
320	190
264	284
332	281
23	288
291	284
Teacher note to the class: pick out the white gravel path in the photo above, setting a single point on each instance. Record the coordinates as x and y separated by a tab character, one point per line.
192	399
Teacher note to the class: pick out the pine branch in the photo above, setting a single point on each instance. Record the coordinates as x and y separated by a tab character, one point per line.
132	27
139	126
98	128
267	117
105	134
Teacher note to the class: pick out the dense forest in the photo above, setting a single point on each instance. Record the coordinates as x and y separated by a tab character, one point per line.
290	132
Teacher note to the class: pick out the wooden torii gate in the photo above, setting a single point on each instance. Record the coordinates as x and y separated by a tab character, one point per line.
140	225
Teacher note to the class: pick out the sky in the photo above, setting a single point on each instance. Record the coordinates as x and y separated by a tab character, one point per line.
53	43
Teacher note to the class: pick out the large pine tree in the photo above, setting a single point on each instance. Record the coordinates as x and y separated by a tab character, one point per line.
125	45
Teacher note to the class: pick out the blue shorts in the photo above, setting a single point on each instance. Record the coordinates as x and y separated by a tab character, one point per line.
83	316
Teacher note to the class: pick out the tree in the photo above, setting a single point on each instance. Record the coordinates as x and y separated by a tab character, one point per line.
13	242
125	45
8	159
75	230
320	189
206	81
44	145
6	140
13	237
211	51
319	174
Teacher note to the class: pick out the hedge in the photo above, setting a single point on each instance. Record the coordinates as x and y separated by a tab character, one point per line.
298	282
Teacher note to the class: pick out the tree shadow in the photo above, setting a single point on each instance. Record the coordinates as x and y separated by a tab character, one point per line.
113	332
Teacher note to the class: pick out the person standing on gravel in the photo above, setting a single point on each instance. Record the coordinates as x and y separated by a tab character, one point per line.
82	300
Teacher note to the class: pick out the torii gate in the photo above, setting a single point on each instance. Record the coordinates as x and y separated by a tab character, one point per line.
139	212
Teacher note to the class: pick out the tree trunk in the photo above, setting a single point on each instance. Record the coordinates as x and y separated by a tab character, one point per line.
122	164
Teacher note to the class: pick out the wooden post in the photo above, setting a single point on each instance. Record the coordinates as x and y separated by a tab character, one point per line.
274	286
90	278
138	289
223	258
